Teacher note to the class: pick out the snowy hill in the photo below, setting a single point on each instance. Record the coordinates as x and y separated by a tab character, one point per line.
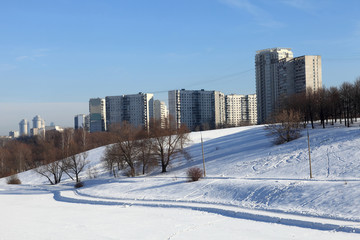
246	174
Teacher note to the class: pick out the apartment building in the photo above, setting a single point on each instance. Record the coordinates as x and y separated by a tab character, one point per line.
240	109
81	121
97	110
136	109
279	74
197	109
160	112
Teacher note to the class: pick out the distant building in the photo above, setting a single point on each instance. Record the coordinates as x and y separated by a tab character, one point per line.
38	122
279	74
97	110
53	127
81	121
240	109
38	126
24	128
197	109
38	132
298	74
136	109
14	134
160	112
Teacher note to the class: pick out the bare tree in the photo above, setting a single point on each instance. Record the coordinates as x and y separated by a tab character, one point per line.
112	160
346	99
76	163
20	155
145	147
126	145
286	126
334	104
168	142
4	166
310	106
74	147
51	168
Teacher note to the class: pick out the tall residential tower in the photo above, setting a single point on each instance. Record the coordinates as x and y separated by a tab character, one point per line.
136	109
97	114
279	74
267	83
197	108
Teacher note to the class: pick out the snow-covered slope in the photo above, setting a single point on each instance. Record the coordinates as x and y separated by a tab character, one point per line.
245	171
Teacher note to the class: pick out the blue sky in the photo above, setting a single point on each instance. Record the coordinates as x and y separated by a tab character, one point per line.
64	51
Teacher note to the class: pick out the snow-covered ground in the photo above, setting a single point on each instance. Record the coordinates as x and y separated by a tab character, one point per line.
253	190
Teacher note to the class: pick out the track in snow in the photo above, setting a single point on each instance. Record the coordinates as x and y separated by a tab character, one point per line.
324	224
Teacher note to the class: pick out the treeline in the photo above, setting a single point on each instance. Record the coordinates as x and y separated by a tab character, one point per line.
27	152
327	105
137	149
64	153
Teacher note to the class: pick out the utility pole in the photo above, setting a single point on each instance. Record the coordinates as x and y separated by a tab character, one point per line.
309	152
202	148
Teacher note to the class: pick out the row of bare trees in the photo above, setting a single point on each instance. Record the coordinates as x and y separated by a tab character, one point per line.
56	154
138	149
64	153
327	105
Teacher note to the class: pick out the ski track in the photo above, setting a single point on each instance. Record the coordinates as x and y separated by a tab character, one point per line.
227	210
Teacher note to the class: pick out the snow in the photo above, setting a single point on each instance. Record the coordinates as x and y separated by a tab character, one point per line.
253	190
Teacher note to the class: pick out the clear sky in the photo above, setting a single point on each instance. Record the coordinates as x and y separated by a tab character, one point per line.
55	55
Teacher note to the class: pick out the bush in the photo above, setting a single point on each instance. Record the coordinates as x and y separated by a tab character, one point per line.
79	185
14	179
194	174
285	127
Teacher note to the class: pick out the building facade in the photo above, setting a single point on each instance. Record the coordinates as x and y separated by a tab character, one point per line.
267	83
81	121
279	74
241	109
197	109
14	134
97	114
24	127
160	112
136	109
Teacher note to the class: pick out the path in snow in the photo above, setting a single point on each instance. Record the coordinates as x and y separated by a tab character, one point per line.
317	223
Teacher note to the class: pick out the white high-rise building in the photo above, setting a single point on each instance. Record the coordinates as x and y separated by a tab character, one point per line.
24	127
240	109
267	83
38	122
80	121
197	109
279	74
38	126
97	114
160	112
136	109
298	74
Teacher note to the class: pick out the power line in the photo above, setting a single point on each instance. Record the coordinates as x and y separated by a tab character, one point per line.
222	78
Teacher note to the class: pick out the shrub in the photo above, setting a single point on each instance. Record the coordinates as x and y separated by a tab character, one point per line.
79	185
14	179
194	174
285	127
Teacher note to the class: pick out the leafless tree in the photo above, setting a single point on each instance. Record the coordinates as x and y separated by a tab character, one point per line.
126	145
76	163
286	126
346	99
4	166
51	168
145	147
168	142
20	156
112	160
